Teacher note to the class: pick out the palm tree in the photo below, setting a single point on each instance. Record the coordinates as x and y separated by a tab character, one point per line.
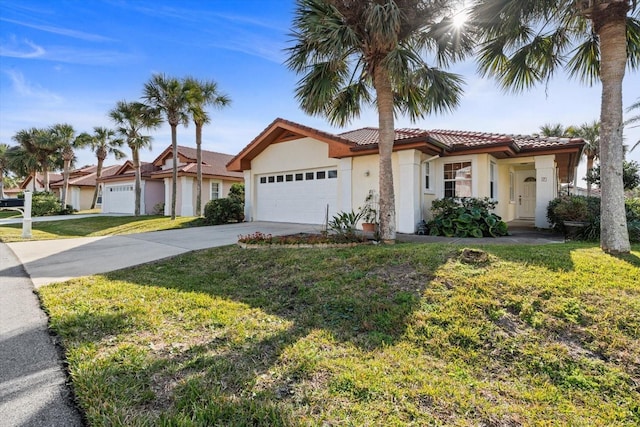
590	133
555	129
38	151
4	166
66	141
633	120
131	118
168	95
526	42
103	142
372	52
201	94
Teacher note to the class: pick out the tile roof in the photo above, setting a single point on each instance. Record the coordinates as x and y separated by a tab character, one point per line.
213	163
468	139
369	135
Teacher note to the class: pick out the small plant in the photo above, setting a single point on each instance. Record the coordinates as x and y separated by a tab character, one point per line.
158	209
369	210
344	225
464	217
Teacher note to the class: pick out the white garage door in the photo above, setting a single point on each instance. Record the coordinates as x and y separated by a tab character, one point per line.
118	199
297	196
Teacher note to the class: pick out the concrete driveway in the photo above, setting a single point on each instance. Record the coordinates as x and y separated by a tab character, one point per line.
49	261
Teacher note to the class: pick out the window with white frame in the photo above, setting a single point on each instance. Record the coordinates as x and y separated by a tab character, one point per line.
215	190
493	181
428	178
457	179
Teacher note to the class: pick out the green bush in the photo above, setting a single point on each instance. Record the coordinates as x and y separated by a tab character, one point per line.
45	203
344	224
587	209
223	211
465	217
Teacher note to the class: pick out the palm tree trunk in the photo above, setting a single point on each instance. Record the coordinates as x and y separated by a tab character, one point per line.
1	183
199	169
136	166
65	183
98	175
45	177
614	235
174	176
382	84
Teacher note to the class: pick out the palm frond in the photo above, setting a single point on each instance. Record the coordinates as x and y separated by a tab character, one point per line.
585	60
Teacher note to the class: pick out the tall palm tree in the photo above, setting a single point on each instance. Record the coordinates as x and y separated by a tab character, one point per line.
103	142
352	53
4	166
131	118
526	42
590	133
201	94
66	141
38	151
169	95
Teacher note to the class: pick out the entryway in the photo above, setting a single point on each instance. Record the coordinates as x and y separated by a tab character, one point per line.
526	194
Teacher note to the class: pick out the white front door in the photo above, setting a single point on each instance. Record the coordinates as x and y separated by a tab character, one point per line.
527	195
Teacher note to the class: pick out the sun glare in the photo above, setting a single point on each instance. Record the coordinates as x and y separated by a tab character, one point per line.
460	18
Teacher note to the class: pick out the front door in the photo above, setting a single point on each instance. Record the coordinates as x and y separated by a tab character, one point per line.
527	196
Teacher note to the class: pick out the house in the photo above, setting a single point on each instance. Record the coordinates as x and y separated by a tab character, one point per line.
36	183
295	173
82	184
157	179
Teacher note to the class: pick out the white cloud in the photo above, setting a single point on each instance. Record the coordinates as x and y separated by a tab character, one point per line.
24	49
25	89
60	31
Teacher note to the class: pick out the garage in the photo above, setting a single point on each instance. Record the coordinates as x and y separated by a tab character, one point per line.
118	198
299	196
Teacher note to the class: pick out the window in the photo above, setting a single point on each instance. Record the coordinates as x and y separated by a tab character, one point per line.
321	175
512	187
309	176
299	177
493	190
457	179
428	181
332	174
263	180
280	178
272	179
215	190
288	178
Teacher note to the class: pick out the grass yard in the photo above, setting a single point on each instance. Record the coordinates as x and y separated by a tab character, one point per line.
96	226
372	335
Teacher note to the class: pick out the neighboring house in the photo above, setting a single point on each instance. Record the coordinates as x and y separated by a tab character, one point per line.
118	195
295	173
37	184
82	184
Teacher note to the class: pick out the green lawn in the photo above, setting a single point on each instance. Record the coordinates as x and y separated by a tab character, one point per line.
372	335
96	226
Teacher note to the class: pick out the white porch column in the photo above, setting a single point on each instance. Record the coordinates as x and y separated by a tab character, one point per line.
408	198
167	197
186	196
248	196
546	188
143	206
345	171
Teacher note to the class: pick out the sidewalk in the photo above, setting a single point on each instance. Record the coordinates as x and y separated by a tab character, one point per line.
53	218
33	389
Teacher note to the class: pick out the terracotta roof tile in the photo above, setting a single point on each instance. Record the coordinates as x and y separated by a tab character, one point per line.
369	135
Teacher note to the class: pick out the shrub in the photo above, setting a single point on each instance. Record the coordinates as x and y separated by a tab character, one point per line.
46	203
465	217
559	210
223	211
344	225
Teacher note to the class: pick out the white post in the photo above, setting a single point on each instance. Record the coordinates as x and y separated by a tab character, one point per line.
26	216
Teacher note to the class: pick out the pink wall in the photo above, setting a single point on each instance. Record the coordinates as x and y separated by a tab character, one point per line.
153	194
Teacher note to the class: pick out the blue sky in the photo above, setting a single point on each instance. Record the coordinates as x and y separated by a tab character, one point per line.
69	61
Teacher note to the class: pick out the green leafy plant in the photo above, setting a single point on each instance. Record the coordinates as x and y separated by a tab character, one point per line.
369	210
344	224
45	203
465	217
223	211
